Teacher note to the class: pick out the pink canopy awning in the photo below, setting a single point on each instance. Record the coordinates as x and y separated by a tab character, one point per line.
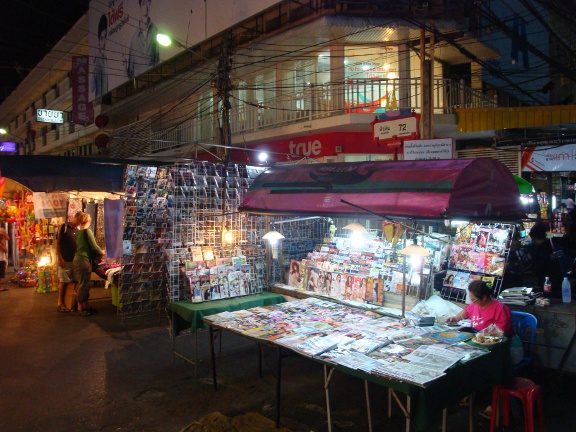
482	189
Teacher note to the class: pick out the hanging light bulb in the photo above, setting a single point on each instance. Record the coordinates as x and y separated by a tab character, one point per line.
414	249
355	226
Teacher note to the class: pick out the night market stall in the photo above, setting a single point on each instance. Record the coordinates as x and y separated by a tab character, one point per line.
44	191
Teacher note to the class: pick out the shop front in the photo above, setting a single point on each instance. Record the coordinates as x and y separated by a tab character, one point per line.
40	193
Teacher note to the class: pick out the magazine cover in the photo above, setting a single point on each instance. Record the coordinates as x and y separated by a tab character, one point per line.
396	283
461	280
244	282
371	294
449	279
223	284
358	289
313	275
337	288
294	274
303	281
195	289
234	283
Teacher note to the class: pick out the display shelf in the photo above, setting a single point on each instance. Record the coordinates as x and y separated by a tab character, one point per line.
479	252
216	252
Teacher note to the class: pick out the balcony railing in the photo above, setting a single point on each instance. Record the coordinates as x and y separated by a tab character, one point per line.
359	96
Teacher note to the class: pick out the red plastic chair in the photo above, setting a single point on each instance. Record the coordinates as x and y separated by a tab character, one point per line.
528	392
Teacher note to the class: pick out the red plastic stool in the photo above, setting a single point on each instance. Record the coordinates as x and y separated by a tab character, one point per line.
528	392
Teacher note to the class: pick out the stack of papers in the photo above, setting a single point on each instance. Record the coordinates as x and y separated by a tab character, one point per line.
518	296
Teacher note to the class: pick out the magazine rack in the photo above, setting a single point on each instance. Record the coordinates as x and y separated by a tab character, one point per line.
479	251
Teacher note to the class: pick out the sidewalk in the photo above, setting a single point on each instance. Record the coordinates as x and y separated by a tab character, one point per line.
64	372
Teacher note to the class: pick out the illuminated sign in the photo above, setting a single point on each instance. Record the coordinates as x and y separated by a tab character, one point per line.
8	147
49	116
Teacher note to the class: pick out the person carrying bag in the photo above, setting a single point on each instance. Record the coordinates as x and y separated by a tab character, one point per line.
88	254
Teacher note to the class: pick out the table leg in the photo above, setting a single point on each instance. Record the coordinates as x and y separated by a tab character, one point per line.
259	359
327	378
173	342
278	386
196	354
471	412
409	412
213	356
368	406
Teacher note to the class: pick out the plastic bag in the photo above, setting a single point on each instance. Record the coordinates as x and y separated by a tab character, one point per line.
441	309
491	330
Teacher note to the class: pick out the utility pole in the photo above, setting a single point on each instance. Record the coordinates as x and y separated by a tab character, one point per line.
224	86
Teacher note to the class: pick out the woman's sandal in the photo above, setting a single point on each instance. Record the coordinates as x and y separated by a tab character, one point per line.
62	309
84	312
487	413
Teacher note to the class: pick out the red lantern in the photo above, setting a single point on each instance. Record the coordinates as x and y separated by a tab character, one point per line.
101	121
101	140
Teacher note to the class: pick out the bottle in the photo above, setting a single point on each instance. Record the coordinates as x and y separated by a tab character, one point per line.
547	287
566	291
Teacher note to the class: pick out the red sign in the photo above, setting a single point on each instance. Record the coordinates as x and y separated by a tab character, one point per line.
316	146
81	108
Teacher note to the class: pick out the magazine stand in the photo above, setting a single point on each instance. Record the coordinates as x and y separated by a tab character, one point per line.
479	251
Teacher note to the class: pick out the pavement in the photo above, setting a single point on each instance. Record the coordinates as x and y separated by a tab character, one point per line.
64	372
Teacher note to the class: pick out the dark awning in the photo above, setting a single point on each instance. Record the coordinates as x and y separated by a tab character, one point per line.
62	173
428	189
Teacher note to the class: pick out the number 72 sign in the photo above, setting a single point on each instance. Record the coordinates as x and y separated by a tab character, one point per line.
406	127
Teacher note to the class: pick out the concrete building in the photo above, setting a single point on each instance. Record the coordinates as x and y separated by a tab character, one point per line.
302	78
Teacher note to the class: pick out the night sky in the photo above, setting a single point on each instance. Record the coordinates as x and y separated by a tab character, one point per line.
28	30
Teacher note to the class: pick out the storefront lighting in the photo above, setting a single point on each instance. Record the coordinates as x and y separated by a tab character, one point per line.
209	255
273	236
44	261
228	236
3	131
263	157
459	222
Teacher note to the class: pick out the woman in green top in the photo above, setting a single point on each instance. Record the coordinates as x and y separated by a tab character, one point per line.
85	246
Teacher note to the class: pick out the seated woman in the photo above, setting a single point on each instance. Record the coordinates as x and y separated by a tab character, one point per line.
485	310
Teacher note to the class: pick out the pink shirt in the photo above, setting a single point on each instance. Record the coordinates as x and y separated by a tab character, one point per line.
496	313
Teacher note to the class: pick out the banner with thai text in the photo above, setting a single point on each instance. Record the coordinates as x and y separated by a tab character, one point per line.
561	158
440	148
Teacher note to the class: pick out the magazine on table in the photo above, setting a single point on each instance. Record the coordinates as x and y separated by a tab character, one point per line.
316	345
354	360
407	372
433	357
467	351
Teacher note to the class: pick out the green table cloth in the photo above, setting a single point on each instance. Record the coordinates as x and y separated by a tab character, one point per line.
189	315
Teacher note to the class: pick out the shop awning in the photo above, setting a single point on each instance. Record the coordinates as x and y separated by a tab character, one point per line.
482	189
61	173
